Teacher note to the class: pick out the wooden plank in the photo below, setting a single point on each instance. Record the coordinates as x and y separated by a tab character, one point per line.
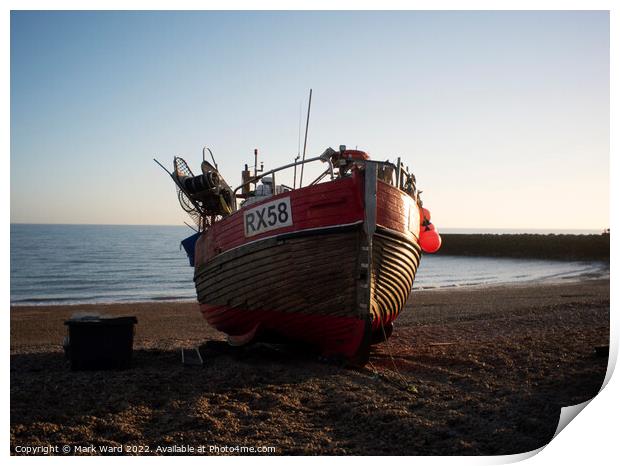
395	262
249	266
313	274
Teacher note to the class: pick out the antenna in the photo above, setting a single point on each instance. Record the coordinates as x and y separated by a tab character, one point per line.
255	162
299	132
301	177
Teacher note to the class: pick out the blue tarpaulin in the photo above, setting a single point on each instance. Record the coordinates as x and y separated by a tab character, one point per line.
189	244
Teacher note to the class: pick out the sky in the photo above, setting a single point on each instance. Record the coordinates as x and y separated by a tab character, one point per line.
502	116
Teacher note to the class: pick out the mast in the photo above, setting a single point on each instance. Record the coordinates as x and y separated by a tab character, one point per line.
298	149
301	177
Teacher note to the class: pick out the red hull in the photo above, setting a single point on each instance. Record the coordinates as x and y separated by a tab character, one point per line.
335	336
320	206
315	280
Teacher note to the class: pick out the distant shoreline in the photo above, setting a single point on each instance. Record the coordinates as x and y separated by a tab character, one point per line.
105	303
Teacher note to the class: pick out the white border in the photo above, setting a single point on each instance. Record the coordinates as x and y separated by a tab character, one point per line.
591	437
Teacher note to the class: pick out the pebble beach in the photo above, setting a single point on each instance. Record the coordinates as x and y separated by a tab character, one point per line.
467	371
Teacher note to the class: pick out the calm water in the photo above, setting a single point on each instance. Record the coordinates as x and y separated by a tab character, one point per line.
59	264
452	271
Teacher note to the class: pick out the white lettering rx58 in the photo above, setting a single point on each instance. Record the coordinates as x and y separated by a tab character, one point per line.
268	216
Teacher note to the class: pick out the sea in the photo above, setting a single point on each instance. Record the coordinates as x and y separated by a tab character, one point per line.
82	264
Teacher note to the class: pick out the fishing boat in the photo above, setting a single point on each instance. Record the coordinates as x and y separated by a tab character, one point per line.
330	264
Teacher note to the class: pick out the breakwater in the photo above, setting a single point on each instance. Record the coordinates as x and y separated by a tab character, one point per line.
534	246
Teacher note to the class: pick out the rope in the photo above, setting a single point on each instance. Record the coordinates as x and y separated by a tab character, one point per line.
389	350
403	383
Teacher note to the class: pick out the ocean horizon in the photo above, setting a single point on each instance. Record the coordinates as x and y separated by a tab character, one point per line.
54	264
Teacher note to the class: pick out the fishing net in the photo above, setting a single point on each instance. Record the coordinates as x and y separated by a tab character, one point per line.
181	169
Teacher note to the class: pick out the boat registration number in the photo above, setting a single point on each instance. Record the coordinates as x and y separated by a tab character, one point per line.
269	216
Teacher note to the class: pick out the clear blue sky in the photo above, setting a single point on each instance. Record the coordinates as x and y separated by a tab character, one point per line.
503	116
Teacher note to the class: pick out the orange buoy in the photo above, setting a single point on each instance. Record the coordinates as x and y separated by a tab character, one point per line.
430	241
425	215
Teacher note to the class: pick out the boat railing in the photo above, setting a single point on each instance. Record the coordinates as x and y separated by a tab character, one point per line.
322	158
404	180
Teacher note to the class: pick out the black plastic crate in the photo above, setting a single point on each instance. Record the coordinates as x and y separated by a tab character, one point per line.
100	343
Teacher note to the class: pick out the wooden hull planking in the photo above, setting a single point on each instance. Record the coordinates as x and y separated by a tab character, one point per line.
336	277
